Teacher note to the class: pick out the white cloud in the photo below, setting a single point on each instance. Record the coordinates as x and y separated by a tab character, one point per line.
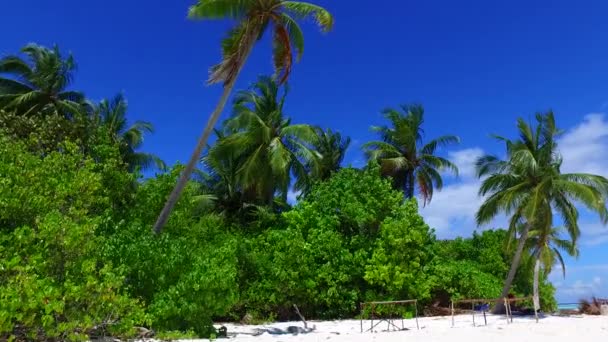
452	210
557	274
593	233
580	288
598	267
465	161
583	148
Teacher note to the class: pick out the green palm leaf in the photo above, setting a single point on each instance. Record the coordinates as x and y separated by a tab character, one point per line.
403	156
220	9
303	10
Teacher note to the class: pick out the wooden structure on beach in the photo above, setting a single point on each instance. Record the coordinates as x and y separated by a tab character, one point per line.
488	301
391	320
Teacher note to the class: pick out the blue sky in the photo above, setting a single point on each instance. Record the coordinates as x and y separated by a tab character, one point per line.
475	65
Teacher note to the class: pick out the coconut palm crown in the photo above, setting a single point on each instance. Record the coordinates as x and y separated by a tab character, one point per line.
112	115
268	147
405	158
38	84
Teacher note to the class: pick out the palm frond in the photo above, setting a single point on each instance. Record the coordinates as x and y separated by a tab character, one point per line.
15	66
281	52
220	9
445	140
296	37
303	10
12	87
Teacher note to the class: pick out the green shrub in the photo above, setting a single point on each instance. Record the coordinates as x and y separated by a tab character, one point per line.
187	275
54	282
400	265
351	239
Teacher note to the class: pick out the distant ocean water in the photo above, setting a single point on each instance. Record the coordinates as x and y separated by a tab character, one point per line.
570	306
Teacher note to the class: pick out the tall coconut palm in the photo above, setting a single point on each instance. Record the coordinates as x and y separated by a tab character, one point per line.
529	187
112	115
403	156
266	145
253	18
545	245
38	84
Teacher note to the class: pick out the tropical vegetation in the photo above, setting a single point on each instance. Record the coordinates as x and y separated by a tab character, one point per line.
253	19
529	187
404	158
79	195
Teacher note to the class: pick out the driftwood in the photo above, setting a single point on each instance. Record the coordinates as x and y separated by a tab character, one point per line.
291	330
300	315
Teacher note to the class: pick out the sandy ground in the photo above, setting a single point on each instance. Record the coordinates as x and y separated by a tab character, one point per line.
551	328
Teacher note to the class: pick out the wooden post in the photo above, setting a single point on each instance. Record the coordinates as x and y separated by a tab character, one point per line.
416	306
362	306
371	329
473	312
485	321
506	309
452	307
509	312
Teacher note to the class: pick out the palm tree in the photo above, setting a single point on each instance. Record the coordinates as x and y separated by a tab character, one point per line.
219	181
112	115
252	17
404	158
266	146
528	186
38	85
332	147
545	245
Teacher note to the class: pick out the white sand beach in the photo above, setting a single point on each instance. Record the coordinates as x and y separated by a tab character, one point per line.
550	328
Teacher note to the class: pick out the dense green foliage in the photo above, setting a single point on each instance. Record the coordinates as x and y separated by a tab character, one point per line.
335	250
54	282
77	257
180	274
476	267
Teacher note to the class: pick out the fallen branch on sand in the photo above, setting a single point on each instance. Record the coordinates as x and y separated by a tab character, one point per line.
291	330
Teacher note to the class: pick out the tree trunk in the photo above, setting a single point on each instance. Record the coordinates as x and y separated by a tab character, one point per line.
514	265
202	142
409	181
536	293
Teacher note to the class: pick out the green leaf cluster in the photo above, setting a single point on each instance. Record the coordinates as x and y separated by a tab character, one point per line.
54	281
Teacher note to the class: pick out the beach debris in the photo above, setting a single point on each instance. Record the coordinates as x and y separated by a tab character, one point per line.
144	332
593	306
222	332
247	319
290	330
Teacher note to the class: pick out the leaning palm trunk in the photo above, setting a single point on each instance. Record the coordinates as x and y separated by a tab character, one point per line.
202	141
514	265
536	275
